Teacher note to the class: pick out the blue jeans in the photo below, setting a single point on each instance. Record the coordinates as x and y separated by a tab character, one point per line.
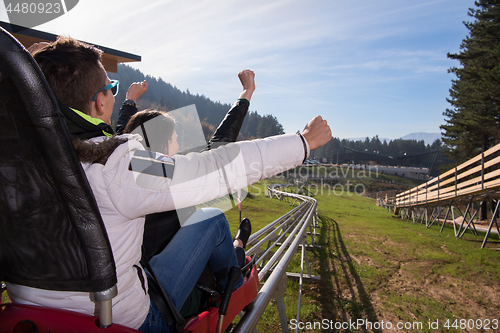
204	238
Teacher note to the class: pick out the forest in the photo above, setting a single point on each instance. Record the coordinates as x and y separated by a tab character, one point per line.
394	148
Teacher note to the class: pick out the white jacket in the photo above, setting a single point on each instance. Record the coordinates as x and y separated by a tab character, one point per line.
124	197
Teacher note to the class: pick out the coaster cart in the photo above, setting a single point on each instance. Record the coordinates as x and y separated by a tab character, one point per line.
51	233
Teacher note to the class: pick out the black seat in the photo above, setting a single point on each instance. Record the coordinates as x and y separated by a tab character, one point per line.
51	233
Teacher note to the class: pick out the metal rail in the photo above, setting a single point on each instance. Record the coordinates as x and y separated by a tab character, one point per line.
280	240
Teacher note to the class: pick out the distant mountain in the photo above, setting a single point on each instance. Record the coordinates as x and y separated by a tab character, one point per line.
428	138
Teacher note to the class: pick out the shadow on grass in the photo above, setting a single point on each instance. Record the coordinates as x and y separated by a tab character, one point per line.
342	294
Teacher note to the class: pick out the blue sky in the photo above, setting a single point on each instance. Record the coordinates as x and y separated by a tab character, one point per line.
370	67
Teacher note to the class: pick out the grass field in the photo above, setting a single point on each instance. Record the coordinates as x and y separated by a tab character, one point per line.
380	269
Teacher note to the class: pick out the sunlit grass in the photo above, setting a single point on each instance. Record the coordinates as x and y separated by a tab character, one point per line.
375	266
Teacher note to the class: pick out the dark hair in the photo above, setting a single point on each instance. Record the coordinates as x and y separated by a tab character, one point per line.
73	70
158	131
91	152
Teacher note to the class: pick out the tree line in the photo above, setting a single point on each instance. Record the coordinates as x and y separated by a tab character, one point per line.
164	96
394	148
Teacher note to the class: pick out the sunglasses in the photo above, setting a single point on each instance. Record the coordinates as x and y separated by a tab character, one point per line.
113	86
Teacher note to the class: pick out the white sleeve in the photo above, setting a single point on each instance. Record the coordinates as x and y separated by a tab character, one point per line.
198	177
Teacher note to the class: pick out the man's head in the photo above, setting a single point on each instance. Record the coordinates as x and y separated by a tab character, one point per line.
75	74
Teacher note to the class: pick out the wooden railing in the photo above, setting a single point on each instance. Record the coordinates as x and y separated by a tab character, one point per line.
478	176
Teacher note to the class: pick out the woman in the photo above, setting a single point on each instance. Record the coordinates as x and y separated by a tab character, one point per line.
158	130
160	227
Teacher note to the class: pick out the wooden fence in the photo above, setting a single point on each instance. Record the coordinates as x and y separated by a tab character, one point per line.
470	184
477	177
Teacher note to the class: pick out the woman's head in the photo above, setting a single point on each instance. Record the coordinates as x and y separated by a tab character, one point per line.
157	129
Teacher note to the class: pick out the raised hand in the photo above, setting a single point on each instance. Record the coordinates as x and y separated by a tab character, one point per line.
247	79
317	133
136	90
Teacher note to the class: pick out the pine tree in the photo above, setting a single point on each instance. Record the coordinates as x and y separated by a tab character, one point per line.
473	122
